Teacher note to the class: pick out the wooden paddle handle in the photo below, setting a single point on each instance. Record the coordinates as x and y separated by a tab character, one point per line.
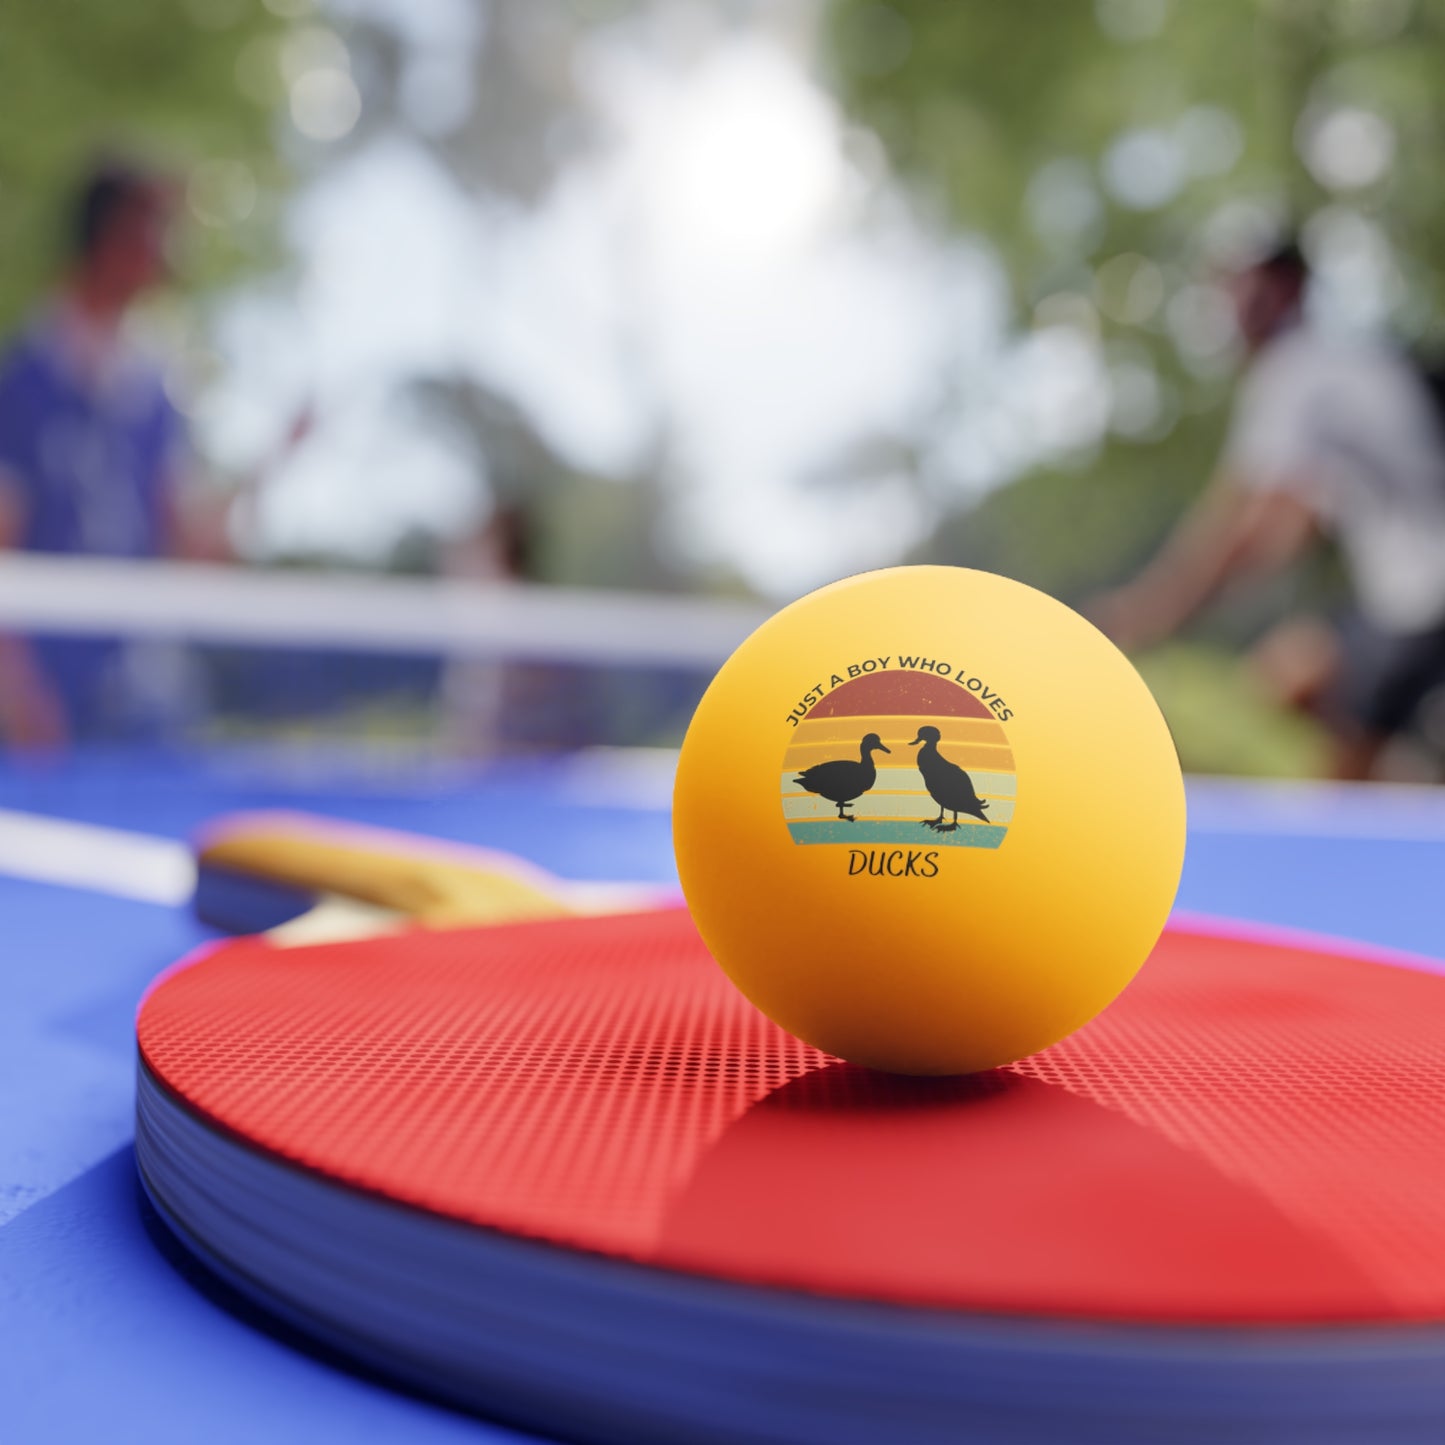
434	884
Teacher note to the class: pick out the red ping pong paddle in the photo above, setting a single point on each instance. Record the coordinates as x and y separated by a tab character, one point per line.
1247	1144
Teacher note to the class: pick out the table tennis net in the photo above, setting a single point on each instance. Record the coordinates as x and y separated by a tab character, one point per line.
182	654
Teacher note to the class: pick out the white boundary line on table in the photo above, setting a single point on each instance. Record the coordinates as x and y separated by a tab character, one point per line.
138	866
150	869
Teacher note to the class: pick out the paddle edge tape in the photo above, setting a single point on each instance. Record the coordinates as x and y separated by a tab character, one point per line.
1275	935
619	1353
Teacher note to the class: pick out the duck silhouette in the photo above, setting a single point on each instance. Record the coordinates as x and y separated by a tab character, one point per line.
949	786
843	780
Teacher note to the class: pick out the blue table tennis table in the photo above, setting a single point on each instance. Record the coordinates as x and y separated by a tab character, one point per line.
106	1334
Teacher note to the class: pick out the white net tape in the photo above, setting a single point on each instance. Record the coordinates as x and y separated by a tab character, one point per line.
216	604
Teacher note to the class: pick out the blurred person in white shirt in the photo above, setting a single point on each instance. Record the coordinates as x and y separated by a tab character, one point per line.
1330	437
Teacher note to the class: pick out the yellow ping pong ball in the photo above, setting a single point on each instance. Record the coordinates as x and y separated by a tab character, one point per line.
929	820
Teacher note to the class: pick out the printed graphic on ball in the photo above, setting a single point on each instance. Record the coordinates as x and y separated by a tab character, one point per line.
900	754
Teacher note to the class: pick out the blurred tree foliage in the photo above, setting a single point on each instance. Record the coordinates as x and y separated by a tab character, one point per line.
1114	152
1220	724
188	86
1117	154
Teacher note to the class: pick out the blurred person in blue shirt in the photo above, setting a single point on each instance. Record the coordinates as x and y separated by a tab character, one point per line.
1330	437
89	454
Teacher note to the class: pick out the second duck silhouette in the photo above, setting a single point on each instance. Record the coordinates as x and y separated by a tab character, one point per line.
843	780
947	783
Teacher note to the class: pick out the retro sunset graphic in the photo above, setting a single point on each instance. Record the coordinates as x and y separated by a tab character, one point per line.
903	757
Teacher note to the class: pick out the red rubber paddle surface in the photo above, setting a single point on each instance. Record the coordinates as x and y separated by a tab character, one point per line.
1252	1133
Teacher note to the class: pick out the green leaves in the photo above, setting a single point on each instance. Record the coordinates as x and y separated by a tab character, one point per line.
1117	153
153	80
